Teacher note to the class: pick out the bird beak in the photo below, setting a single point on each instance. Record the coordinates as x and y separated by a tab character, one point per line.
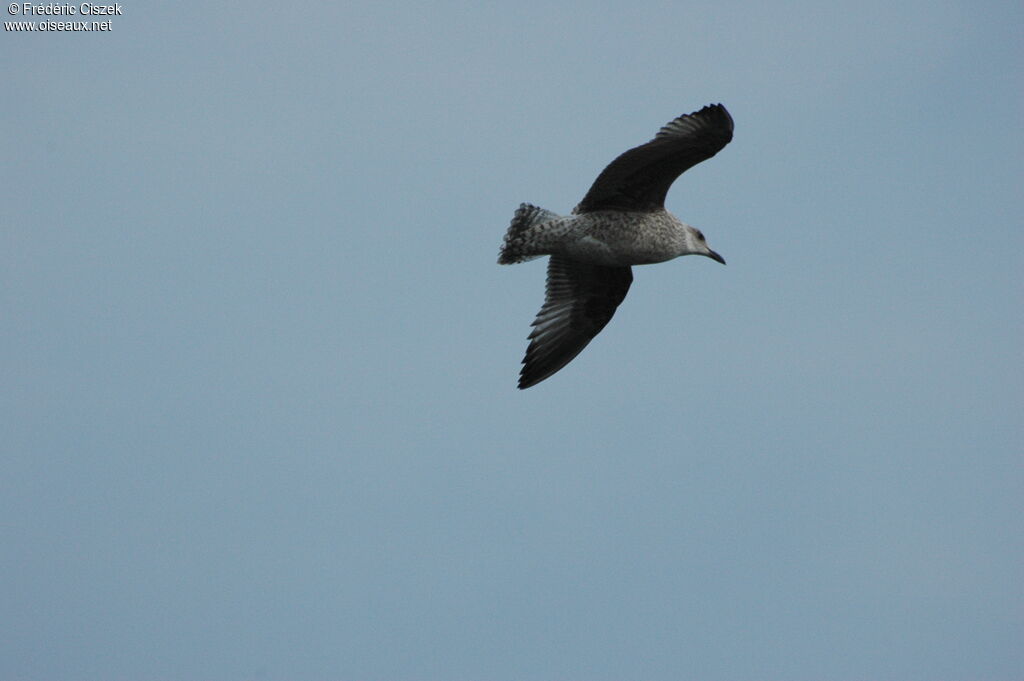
715	256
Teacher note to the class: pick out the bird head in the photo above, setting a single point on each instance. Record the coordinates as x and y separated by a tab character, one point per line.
696	244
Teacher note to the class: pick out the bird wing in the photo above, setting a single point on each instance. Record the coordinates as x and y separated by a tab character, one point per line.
639	178
579	300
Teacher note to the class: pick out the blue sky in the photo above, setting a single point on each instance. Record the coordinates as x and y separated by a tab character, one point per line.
259	407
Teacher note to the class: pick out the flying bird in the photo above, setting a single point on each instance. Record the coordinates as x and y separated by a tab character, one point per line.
620	222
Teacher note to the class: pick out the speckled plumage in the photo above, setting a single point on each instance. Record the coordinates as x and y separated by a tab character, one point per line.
621	222
607	237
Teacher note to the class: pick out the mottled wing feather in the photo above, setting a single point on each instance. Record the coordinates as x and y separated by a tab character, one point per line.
640	178
580	299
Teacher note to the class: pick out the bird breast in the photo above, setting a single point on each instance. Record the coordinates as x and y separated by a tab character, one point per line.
621	238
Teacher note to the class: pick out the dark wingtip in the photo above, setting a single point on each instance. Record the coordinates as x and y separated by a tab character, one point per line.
719	111
528	378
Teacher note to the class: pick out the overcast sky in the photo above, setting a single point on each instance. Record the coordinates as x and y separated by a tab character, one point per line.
259	414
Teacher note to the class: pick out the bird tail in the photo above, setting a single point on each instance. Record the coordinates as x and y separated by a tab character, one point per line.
518	239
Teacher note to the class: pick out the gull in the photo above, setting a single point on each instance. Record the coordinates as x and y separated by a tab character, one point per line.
620	222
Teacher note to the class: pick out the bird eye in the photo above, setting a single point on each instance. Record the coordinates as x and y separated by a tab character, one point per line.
700	235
